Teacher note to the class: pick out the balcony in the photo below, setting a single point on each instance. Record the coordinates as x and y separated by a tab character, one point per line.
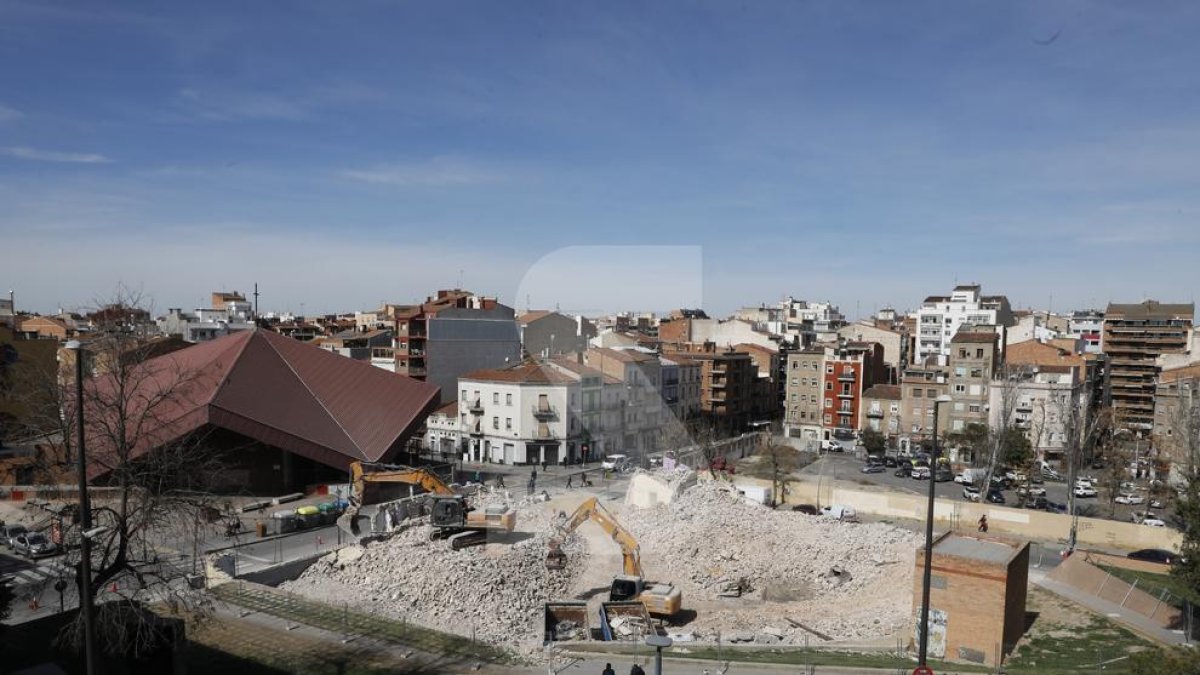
475	407
475	429
845	394
846	376
544	411
544	433
875	412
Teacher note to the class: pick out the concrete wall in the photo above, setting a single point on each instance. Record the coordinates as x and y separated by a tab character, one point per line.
959	514
288	571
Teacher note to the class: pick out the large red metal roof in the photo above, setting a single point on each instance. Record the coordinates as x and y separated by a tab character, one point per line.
275	390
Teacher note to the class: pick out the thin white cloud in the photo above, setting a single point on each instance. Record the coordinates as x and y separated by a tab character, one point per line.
21	152
425	174
8	114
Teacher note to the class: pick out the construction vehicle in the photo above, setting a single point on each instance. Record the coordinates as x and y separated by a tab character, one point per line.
660	599
449	514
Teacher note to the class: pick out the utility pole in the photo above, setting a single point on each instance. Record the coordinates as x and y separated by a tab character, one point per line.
85	509
256	301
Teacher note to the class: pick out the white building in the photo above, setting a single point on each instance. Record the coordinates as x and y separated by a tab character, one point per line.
1042	400
811	321
1088	325
525	414
941	317
205	324
444	431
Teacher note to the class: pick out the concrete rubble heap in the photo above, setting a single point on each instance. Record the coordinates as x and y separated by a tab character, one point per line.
495	593
751	569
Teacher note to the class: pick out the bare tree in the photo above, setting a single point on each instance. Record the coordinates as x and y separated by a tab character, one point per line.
152	476
1084	426
1010	379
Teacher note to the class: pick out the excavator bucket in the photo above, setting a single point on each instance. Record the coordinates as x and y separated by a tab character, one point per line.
555	558
349	522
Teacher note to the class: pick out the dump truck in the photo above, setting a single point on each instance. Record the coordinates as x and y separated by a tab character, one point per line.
625	621
661	599
449	514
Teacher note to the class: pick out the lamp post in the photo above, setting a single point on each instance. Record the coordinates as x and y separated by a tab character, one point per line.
85	515
924	624
659	642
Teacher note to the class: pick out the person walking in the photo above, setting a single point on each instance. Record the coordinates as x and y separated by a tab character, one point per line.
608	670
983	524
569	479
636	670
543	466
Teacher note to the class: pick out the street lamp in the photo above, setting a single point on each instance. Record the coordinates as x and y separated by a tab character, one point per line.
924	625
658	642
85	514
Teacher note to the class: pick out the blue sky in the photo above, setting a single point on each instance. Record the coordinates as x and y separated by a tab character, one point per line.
341	154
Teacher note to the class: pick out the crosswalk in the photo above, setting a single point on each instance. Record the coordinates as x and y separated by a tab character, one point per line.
43	573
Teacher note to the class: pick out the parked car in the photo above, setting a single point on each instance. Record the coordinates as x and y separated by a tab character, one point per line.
1083	490
921	473
33	545
903	471
943	475
1051	474
1038	504
10	533
890	461
1156	555
995	497
611	462
1157	504
1032	491
1056	507
1130	498
971	494
807	509
839	511
1152	520
873	468
830	445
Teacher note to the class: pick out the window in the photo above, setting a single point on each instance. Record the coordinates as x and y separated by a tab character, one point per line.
828	403
828	386
962	353
508	423
974	408
845	390
958	425
960	388
894	408
464	394
508	399
795	365
828	419
931	393
793	398
916	392
496	397
960	371
829	369
976	390
495	422
979	353
977	372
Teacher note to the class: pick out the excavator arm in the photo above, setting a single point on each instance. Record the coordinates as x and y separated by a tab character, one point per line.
592	509
360	478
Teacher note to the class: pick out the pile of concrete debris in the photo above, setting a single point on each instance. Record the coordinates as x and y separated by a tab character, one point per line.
494	593
748	566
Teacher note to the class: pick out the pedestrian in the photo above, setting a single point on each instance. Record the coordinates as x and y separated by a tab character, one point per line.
477	479
983	524
543	466
500	481
569	479
533	475
608	670
530	486
636	670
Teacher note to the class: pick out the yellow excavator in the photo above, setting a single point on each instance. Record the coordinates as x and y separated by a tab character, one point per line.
660	599
449	514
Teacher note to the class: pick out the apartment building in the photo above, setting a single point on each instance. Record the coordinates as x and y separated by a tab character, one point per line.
803	393
727	382
850	369
1177	420
601	407
881	410
641	405
450	334
444	432
1039	326
681	388
524	414
765	401
920	387
228	313
1134	337
546	333
942	316
895	344
1087	325
356	345
974	358
812	322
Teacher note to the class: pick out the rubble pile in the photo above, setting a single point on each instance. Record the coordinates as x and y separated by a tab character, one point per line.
495	592
746	566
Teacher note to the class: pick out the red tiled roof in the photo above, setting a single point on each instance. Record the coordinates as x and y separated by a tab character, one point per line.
883	391
524	373
533	315
278	391
963	336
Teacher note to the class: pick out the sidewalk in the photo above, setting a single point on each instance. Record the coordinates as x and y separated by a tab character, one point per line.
1130	619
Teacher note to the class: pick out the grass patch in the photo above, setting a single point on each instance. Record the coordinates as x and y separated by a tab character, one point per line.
1077	649
342	620
1153	583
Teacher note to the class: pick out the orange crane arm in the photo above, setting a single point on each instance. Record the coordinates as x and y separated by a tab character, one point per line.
594	510
426	480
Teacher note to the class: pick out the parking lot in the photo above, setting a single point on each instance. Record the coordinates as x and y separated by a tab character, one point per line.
847	466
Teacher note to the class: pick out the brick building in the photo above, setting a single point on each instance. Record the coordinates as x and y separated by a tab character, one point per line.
727	382
977	597
850	369
1134	337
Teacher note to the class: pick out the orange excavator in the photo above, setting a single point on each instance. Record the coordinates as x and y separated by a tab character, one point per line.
449	514
661	599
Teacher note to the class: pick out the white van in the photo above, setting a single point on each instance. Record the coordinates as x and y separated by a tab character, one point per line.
839	511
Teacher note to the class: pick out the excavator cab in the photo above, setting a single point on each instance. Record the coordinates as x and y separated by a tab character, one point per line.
448	512
625	587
